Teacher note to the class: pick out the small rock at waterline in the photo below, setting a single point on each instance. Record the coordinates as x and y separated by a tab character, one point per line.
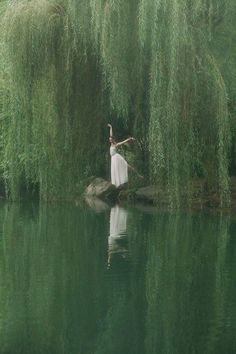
100	188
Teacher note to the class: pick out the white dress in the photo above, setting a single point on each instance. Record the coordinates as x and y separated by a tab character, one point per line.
118	226
119	168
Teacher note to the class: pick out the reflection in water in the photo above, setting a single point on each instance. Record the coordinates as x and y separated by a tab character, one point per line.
96	204
117	240
51	279
187	286
177	295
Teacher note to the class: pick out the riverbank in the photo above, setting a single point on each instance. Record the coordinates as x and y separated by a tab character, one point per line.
202	197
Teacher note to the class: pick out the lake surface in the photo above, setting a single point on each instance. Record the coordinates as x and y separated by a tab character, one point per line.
100	280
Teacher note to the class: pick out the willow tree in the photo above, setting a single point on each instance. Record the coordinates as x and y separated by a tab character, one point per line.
55	103
149	63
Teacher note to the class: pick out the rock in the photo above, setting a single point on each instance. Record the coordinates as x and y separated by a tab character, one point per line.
147	194
127	195
101	188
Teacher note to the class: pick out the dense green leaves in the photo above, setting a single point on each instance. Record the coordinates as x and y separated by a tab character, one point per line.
155	65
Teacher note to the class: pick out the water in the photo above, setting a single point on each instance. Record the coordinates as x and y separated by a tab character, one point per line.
84	280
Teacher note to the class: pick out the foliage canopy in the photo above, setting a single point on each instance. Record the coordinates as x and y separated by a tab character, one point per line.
157	66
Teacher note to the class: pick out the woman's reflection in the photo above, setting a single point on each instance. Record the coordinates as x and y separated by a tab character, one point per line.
117	240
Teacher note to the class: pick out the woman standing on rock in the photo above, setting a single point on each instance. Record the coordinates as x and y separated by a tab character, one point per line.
119	166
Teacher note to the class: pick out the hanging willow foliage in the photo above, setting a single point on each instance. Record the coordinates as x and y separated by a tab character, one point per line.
72	62
56	110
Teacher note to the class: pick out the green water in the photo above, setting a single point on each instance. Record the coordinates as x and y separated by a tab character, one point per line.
77	280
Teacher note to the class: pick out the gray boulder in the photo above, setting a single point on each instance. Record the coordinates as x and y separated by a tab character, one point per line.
101	188
147	194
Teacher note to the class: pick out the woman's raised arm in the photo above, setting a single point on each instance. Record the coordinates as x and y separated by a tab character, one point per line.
111	130
125	141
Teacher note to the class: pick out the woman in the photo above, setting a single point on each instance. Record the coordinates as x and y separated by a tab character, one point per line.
119	166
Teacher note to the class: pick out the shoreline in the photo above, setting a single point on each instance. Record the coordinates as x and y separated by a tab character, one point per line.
102	192
200	199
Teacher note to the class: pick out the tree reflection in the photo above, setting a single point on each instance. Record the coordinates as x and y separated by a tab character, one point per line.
175	294
186	286
52	276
